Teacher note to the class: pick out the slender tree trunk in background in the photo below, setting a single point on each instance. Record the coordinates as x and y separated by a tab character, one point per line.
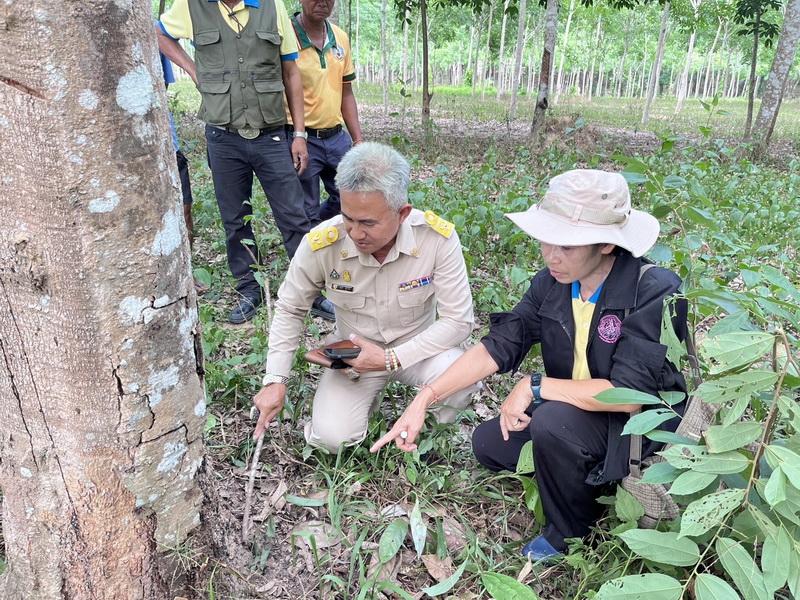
358	30
471	47
545	76
488	60
751	95
595	50
415	75
101	391
785	52
621	71
426	93
404	67
655	74
683	82
501	54
564	45
384	58
515	79
710	60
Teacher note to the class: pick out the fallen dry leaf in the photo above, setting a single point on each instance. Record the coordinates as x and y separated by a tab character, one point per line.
325	534
438	568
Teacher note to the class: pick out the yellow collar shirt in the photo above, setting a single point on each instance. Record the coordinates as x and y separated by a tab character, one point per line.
582	312
394	304
324	73
176	22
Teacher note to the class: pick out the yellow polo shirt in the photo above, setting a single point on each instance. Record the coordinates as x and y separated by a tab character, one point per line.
324	74
582	312
176	22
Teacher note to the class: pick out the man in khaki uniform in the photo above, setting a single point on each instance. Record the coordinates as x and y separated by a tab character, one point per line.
390	270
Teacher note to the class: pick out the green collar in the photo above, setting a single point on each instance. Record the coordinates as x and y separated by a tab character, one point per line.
305	41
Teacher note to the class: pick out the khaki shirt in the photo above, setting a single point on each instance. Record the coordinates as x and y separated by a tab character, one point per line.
393	304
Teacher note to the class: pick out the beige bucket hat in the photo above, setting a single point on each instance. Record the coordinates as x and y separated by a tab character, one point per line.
587	206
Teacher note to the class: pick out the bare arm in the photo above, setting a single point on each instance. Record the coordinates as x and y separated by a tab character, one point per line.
350	113
170	48
293	84
581	394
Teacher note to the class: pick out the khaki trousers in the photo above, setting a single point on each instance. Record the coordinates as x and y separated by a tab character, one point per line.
342	407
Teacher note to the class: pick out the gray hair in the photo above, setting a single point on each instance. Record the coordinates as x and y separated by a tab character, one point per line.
374	167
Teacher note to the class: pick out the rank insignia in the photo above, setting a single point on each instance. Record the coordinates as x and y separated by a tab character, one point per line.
335	274
343	253
346	276
415	252
438	224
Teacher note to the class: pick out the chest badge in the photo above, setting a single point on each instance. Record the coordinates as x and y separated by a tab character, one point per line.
335	275
609	329
338	53
346	276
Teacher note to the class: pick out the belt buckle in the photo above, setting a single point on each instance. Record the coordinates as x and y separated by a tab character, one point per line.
249	133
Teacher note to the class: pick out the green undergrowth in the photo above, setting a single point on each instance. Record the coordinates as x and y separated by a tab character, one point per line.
729	227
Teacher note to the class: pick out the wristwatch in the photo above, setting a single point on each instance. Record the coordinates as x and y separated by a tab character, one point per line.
302	134
270	379
536	388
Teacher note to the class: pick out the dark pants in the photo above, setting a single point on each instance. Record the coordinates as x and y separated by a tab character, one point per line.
233	160
324	156
567	444
183	172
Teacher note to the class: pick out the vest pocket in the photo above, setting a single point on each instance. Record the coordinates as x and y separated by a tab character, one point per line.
270	101
270	52
208	50
215	107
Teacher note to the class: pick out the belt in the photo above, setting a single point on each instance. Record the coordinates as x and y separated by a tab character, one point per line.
321	133
248	133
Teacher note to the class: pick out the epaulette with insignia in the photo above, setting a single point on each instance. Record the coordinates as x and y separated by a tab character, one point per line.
438	224
322	237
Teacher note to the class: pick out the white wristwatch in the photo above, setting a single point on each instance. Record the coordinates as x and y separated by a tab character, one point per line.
270	379
302	134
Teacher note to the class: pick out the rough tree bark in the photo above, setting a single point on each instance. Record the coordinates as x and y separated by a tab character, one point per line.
785	53
655	73
101	393
751	90
546	74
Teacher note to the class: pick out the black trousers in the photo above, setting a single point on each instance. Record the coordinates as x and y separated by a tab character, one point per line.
233	161
183	173
567	444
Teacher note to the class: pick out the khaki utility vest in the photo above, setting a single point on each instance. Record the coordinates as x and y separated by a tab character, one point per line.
238	74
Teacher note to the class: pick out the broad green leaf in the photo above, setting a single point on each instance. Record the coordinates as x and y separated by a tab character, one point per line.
533	500
302	501
709	511
674	181
660	472
650	586
691	482
733	413
646	421
627	507
676	350
763	522
787	460
503	587
667	437
732	387
682	456
774	553
419	531
445	585
634	178
737	435
711	587
734	350
663	547
672	398
740	567
794	570
626	396
525	461
725	463
391	539
775	490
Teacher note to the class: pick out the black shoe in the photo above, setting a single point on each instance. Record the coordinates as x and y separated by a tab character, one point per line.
245	310
323	307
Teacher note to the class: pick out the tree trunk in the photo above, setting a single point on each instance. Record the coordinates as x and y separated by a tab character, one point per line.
655	73
594	55
358	29
564	45
384	58
426	93
545	75
751	95
499	83
621	71
101	390
488	60
683	82
404	67
785	53
515	79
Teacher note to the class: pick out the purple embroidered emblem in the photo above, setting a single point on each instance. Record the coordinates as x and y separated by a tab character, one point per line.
609	329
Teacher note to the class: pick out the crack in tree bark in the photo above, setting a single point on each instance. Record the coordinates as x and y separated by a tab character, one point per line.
18	398
19	86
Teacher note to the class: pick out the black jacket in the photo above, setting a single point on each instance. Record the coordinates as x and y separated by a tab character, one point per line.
624	350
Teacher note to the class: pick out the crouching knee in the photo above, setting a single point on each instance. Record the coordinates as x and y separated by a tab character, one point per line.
331	438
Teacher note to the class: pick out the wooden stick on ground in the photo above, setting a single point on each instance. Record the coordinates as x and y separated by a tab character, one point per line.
247	528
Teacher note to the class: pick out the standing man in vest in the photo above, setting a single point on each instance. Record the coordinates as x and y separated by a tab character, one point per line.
326	66
245	54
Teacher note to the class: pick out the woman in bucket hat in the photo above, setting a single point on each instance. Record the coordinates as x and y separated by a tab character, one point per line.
597	314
